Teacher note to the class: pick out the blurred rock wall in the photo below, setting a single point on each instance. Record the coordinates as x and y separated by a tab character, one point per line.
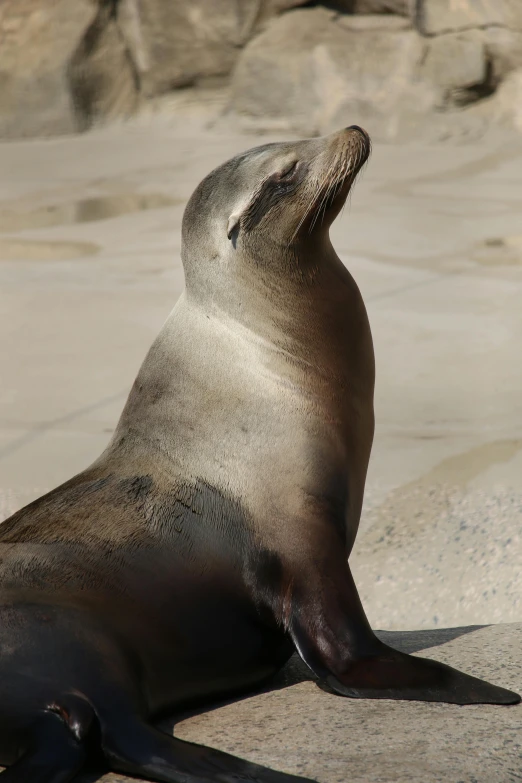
67	64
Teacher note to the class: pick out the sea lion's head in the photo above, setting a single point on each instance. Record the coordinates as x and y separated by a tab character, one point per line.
267	204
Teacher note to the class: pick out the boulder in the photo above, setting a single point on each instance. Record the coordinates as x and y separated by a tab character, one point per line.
433	17
504	108
38	40
177	44
319	70
504	51
457	64
270	8
102	76
400	7
65	64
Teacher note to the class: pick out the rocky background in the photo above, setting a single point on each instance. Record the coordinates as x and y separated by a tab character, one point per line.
395	65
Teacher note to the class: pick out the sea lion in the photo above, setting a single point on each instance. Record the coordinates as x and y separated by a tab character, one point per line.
211	538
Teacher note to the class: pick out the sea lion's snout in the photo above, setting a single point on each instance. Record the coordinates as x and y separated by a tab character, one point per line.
355	142
335	163
365	136
358	128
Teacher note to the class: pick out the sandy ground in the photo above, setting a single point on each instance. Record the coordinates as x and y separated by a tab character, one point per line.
90	268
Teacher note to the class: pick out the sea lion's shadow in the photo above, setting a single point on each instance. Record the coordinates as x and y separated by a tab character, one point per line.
295	671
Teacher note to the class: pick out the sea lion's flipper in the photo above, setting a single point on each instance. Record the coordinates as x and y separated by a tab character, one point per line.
140	749
53	755
395	675
333	637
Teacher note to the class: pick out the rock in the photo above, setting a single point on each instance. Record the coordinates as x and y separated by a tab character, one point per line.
38	40
510	99
373	23
400	7
102	76
434	17
296	727
319	70
504	108
458	65
177	44
270	8
503	49
470	64
66	64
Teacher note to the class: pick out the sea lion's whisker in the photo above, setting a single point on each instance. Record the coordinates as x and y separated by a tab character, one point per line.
342	177
327	190
313	199
324	199
336	184
310	207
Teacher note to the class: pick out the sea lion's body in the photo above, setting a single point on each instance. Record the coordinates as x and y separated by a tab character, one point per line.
211	537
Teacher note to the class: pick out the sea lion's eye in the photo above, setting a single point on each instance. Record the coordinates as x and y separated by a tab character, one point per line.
290	169
287	174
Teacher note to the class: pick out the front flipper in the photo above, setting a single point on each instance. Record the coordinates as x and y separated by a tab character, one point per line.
395	675
333	637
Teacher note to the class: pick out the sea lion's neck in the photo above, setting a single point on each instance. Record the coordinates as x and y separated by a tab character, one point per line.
309	313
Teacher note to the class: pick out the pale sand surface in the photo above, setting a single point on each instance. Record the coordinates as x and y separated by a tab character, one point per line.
89	269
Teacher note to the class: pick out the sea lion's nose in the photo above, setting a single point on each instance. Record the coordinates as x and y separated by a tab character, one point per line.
366	142
358	128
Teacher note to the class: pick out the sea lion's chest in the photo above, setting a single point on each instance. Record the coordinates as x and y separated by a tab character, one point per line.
240	411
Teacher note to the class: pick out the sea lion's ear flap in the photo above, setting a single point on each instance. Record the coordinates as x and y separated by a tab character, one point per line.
233	224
